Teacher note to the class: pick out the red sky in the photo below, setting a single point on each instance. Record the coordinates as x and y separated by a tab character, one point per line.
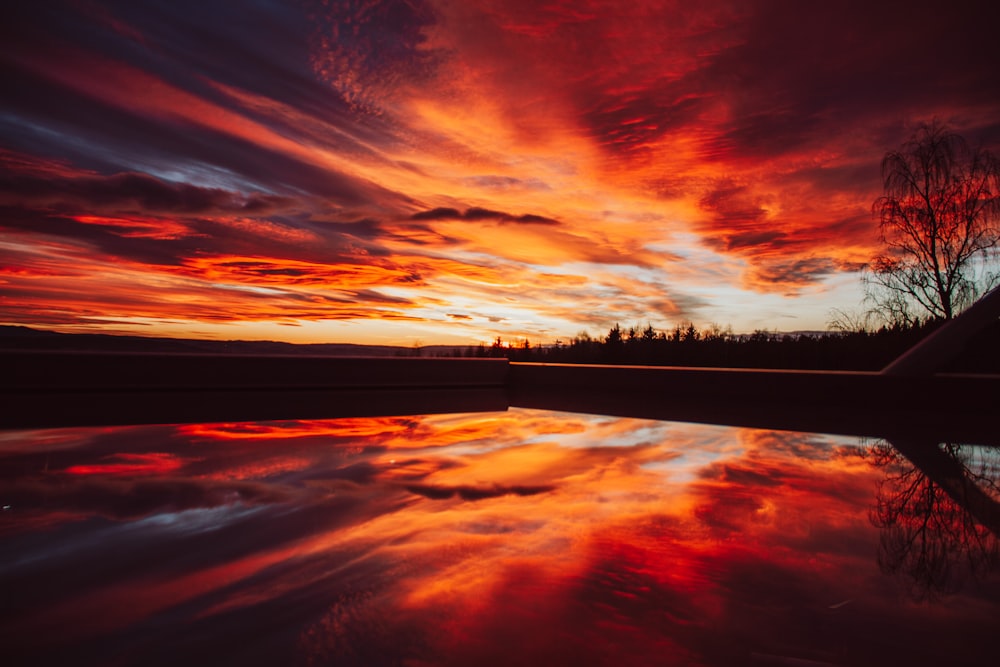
440	171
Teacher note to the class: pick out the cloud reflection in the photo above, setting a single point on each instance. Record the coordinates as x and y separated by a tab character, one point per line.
530	537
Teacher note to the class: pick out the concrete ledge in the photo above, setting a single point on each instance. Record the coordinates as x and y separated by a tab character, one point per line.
847	390
957	408
109	371
48	389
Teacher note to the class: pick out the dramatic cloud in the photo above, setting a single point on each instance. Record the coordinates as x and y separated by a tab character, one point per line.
535	168
474	493
481	214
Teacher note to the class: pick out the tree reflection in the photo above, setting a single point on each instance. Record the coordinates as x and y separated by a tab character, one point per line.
938	509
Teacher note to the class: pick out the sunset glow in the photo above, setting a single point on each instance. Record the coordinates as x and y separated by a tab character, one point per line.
447	172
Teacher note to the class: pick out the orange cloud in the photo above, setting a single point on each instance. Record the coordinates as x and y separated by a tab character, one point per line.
152	228
286	272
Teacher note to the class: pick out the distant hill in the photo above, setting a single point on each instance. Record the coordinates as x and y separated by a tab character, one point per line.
26	338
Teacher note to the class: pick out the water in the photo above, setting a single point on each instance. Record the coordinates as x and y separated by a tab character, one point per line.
521	537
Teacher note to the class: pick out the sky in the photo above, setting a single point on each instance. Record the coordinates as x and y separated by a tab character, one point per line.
434	171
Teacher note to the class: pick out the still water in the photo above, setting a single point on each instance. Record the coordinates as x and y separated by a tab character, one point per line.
520	537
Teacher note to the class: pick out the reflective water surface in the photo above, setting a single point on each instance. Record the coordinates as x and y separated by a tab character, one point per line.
520	537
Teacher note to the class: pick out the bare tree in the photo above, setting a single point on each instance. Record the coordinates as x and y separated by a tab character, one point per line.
939	223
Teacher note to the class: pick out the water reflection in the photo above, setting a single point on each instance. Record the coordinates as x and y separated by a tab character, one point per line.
939	520
520	537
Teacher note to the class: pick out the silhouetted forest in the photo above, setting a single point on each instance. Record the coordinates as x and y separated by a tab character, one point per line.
715	347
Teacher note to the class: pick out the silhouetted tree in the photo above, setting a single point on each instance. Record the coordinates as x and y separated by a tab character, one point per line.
498	349
614	338
936	533
613	350
938	220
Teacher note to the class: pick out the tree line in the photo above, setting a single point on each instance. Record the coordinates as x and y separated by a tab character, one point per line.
686	345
